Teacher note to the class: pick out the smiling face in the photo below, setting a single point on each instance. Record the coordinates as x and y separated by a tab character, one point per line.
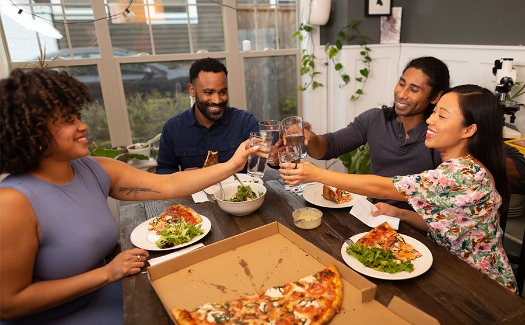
210	90
412	93
69	133
446	132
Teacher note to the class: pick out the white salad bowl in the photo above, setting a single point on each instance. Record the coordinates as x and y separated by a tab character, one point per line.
240	208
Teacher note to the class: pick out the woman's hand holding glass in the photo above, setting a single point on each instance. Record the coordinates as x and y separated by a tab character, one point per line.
295	174
290	155
257	162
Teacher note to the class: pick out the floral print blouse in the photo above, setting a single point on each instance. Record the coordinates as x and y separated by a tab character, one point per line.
460	205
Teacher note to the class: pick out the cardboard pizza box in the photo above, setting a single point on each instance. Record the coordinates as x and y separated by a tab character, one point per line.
264	257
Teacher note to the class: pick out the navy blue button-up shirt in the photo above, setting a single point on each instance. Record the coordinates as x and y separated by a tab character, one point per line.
184	142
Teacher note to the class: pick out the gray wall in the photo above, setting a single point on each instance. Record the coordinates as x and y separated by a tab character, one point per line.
473	22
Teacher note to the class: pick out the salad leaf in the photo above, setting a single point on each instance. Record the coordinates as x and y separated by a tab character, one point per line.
379	259
244	193
177	233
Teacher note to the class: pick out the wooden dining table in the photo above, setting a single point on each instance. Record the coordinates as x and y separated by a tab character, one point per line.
450	291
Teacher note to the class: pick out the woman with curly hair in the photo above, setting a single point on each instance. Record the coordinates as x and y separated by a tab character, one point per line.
460	202
55	223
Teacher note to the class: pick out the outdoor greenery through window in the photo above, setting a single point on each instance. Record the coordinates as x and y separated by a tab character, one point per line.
145	75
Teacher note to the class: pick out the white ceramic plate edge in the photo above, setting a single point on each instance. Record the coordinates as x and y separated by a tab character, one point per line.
139	236
421	264
314	194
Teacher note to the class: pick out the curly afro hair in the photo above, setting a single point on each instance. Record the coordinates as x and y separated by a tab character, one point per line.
27	100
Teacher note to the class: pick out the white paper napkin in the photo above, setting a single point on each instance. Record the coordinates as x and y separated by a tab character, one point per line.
363	208
160	259
199	197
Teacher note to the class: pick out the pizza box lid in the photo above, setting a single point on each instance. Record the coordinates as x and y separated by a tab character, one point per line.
261	258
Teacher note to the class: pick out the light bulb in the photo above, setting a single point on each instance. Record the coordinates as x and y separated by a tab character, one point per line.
131	14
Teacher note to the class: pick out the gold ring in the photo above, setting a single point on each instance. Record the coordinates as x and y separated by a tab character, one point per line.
295	167
140	259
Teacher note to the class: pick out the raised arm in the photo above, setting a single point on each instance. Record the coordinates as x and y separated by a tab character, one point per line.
316	145
368	185
129	183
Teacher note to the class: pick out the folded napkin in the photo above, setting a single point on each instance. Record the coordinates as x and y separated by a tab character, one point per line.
199	197
363	208
157	260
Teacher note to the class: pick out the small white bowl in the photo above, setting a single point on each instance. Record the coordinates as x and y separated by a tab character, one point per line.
239	208
307	218
144	150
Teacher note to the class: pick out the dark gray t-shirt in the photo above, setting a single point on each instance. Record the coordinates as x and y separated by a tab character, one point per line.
391	152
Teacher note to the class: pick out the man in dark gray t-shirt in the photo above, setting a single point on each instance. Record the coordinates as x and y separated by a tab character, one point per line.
396	135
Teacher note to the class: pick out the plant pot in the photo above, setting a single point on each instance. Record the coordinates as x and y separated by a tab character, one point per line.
317	12
121	150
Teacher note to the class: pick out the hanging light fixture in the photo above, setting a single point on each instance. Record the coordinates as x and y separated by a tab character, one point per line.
29	22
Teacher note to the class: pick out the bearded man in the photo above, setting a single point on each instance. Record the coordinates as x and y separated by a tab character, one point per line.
209	125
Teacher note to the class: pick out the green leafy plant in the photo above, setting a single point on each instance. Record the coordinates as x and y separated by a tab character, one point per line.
307	58
332	50
116	154
358	160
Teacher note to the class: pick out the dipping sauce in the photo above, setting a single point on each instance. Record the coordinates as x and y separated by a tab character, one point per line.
311	218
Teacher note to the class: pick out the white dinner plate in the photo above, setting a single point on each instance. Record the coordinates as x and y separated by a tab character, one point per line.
245	178
314	194
144	238
421	264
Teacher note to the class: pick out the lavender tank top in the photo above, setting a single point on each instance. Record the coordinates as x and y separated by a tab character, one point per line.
77	227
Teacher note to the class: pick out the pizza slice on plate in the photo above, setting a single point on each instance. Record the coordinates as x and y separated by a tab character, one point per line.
211	159
386	237
311	300
336	195
172	215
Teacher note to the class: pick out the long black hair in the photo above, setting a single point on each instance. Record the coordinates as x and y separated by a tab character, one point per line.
481	107
438	80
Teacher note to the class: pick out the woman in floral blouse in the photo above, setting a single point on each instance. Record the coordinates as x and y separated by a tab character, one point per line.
460	202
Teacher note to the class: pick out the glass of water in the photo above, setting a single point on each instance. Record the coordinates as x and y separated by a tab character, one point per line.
291	154
293	132
257	164
270	129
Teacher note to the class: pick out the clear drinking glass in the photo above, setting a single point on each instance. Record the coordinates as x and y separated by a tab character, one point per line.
257	164
270	129
293	132
291	154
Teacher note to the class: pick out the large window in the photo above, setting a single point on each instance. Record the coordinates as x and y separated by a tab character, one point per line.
135	55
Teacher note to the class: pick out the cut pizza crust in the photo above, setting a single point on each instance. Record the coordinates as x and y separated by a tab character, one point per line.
386	237
211	159
171	215
336	195
314	300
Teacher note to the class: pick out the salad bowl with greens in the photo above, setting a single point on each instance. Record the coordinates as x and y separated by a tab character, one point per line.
241	200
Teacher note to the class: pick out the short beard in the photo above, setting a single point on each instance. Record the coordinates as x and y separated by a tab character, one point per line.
202	106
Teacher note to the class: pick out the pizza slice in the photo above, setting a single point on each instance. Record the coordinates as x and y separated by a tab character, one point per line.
314	300
386	237
336	195
172	215
211	159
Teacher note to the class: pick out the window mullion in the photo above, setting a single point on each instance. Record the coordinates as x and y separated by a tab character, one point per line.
111	82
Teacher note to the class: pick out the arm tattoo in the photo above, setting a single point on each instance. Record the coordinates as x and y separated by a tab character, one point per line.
135	190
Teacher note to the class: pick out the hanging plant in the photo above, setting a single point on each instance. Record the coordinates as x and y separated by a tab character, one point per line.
308	59
333	51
